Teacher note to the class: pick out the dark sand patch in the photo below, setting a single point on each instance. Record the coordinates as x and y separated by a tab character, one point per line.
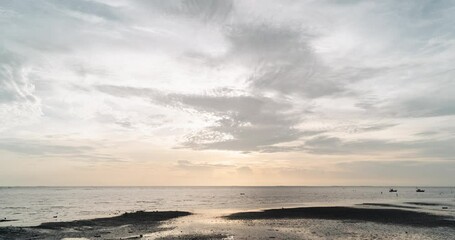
7	220
384	215
125	226
388	205
15	233
195	237
425	204
135	218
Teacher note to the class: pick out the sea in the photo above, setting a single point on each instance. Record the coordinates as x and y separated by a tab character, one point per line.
30	206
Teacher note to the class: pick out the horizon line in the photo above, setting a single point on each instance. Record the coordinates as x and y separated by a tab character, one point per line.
119	186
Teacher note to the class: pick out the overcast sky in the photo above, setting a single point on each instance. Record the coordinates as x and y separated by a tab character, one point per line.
103	92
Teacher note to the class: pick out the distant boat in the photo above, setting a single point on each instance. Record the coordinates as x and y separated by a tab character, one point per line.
393	190
242	193
420	190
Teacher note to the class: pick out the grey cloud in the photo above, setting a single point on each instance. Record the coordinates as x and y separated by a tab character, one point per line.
129	121
285	63
85	70
429	148
406	172
283	60
232	134
245	123
325	145
334	145
307	133
204	10
48	149
369	102
426	41
438	103
359	128
421	105
437	148
427	133
19	101
279	55
94	158
54	7
122	91
383	173
245	109
190	166
250	123
108	118
90	8
266	42
375	127
40	148
55	26
30	33
436	100
14	83
244	170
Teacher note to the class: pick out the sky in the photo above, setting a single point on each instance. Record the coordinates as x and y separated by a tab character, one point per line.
124	92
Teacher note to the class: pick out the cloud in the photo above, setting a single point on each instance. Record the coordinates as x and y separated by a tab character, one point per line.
246	123
289	80
37	147
410	173
39	21
192	167
433	102
41	148
122	91
431	96
243	122
282	59
204	10
19	102
428	148
384	173
14	82
244	170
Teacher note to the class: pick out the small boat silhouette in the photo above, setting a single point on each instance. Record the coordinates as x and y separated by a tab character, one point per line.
420	190
242	193
393	190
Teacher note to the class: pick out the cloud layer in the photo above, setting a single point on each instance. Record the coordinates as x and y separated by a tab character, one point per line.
364	80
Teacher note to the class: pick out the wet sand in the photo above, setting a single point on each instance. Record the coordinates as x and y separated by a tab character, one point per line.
429	204
332	223
126	226
7	220
377	215
387	205
134	218
369	221
195	237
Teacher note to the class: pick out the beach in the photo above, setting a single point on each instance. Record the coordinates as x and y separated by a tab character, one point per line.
246	215
286	223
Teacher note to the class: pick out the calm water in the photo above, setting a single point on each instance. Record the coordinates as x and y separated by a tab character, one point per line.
31	206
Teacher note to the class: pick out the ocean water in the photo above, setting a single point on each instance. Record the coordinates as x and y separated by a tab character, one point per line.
33	205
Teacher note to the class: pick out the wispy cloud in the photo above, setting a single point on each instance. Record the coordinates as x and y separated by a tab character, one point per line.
311	78
243	122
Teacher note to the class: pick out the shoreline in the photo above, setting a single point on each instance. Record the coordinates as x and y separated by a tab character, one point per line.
377	215
133	218
124	226
288	223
